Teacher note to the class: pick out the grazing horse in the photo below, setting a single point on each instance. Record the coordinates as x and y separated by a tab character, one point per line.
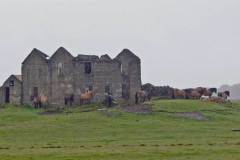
141	96
86	97
178	94
69	99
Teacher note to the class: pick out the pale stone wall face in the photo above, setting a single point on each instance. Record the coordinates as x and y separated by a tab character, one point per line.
15	91
61	76
35	74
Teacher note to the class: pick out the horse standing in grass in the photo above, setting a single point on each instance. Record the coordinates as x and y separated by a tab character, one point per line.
69	99
43	101
36	102
86	97
224	95
141	96
178	94
40	101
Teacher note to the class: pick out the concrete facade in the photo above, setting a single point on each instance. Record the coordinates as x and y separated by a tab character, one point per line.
62	75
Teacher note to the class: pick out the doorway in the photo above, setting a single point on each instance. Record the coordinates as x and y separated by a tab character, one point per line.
7	95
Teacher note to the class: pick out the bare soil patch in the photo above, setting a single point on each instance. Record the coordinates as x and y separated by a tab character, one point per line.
139	109
192	115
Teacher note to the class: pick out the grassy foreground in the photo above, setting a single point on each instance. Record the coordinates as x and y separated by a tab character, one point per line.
26	134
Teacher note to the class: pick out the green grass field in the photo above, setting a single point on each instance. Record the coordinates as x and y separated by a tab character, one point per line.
85	133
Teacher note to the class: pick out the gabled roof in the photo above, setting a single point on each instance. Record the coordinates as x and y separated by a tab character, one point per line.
127	52
37	52
17	77
105	58
61	50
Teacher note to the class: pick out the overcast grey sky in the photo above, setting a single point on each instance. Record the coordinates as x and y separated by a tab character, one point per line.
182	43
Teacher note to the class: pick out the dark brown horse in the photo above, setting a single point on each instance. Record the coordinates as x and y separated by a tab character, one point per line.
69	99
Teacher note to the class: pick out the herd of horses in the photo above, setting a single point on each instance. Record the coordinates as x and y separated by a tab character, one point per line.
42	100
206	94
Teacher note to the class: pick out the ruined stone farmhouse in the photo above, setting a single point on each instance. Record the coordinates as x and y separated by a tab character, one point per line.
62	74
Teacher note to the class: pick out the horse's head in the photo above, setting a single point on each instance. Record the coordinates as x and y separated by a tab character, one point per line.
227	93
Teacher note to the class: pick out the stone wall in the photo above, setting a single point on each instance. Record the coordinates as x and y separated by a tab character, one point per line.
107	78
62	75
131	73
1	95
15	90
35	74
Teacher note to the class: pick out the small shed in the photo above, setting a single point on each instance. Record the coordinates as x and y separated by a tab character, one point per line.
11	90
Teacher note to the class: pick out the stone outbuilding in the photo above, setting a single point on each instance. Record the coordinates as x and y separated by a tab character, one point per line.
11	90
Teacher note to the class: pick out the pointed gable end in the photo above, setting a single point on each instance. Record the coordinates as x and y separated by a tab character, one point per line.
127	53
35	52
61	52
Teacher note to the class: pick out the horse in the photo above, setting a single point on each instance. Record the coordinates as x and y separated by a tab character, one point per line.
69	99
209	92
86	97
40	101
36	102
224	94
43	101
141	96
195	93
178	94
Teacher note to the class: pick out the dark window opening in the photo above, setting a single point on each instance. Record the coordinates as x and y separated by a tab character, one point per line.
88	67
7	95
107	89
11	83
35	91
90	88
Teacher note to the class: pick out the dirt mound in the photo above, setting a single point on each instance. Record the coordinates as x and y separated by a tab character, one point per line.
139	109
192	115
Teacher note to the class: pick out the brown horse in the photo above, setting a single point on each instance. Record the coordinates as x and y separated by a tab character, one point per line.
141	96
86	97
179	94
69	100
44	101
40	101
194	93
